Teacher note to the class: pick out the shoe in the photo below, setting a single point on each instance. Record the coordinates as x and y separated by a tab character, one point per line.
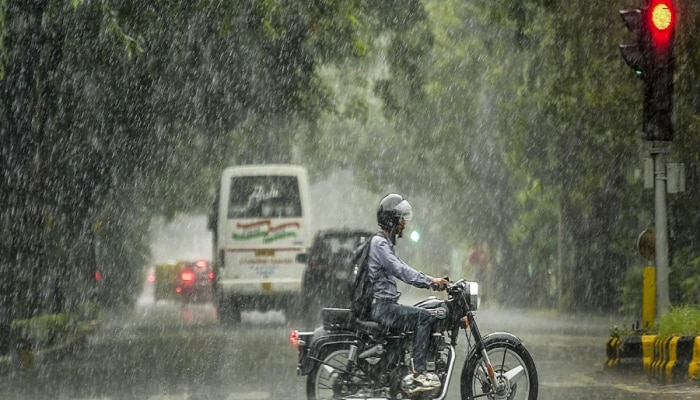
424	382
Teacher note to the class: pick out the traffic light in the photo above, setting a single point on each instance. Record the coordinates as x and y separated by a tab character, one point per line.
652	59
658	93
636	55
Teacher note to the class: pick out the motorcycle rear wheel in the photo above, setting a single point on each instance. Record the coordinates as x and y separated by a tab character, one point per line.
326	382
505	357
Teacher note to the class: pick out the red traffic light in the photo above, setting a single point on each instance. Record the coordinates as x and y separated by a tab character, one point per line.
661	19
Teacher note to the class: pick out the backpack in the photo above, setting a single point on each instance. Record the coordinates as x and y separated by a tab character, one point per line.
361	289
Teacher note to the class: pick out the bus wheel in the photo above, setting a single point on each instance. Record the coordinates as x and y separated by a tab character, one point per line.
228	312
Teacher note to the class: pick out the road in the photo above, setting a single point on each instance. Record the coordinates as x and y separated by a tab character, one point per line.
164	351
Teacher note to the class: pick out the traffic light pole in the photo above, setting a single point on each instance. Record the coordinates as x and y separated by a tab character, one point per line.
659	150
652	58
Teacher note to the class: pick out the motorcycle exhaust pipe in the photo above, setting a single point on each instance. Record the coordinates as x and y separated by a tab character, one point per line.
352	354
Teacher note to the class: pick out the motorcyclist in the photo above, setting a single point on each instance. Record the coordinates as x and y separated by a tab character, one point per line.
384	267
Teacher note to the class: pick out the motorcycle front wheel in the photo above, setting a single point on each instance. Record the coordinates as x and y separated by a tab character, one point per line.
327	380
515	372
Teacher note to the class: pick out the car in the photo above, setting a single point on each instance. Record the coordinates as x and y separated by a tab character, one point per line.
325	278
195	281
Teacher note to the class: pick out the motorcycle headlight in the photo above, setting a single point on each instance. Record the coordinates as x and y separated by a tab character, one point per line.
473	295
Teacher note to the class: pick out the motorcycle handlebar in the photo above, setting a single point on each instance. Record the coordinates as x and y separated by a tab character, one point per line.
447	286
450	284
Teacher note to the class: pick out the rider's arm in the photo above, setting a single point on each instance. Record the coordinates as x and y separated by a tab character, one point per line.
400	269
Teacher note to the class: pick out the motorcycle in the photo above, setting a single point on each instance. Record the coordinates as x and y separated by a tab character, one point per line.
348	358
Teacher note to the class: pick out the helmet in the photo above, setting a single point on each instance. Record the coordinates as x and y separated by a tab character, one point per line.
391	209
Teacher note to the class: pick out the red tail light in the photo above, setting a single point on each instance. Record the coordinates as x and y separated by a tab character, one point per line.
294	338
187	276
151	278
211	276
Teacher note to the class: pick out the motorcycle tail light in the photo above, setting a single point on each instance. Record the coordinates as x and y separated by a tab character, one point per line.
298	339
294	338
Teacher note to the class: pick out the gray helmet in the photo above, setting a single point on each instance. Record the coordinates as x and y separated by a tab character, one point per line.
391	209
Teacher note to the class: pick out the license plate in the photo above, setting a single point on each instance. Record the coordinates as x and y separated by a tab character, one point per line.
267	286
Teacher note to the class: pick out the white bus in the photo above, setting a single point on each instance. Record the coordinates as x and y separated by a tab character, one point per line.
260	222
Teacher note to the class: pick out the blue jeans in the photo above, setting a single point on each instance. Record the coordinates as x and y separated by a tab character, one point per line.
406	319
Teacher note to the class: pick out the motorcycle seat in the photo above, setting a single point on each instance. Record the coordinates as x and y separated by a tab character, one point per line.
374	329
369	327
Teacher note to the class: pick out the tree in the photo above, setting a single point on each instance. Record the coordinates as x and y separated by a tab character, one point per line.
512	100
109	109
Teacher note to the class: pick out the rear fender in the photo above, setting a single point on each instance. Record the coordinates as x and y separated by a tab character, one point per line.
321	341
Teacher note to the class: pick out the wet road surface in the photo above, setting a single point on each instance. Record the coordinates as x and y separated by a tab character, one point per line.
167	351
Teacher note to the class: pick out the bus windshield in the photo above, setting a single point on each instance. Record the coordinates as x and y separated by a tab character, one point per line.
272	196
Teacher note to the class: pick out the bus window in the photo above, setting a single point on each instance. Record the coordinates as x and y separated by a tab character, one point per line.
264	197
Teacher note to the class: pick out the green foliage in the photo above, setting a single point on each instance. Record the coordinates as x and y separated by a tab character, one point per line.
524	125
519	121
135	108
3	30
47	330
691	290
685	288
631	296
41	331
680	321
619	332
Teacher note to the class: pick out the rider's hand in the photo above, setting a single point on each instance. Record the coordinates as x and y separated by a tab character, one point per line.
439	283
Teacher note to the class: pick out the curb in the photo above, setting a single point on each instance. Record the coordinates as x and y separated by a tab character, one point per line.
669	359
